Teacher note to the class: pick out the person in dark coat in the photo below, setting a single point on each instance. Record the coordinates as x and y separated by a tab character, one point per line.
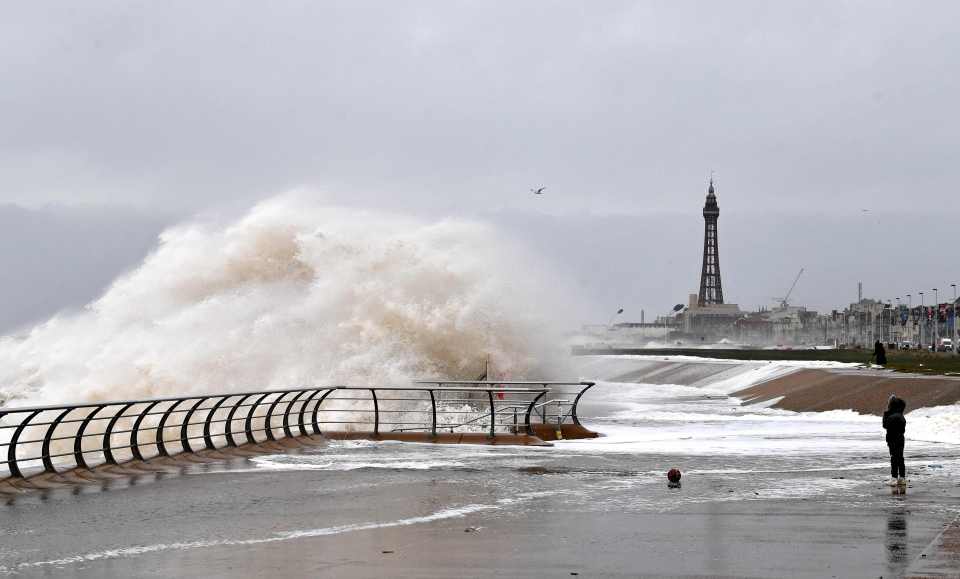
895	425
880	353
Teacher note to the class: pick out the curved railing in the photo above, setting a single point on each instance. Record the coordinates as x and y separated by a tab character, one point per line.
57	438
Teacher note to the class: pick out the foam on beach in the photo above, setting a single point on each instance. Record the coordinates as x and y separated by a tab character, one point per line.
713	411
936	424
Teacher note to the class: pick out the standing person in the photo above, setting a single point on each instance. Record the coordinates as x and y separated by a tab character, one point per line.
895	425
880	353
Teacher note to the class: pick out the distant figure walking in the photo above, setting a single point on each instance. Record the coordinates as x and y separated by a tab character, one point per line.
880	353
895	424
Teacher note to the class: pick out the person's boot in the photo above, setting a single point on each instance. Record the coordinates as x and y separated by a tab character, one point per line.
902	481
892	482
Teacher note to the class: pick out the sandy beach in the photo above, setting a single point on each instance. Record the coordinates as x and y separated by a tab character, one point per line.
865	391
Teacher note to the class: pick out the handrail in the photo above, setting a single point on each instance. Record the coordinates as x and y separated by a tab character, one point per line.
11	409
503	409
82	435
576	402
545	383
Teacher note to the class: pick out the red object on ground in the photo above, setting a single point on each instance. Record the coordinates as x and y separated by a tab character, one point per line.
673	475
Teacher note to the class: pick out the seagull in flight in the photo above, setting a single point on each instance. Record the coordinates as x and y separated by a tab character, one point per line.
538	191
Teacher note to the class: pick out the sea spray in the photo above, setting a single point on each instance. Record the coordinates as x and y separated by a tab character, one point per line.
295	293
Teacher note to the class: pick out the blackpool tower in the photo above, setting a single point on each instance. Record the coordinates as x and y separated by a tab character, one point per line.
711	290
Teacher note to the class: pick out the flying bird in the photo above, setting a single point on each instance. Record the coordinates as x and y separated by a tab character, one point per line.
538	191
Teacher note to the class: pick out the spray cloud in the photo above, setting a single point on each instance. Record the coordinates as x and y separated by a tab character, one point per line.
294	294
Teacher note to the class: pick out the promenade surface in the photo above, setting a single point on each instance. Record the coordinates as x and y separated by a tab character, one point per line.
510	520
766	493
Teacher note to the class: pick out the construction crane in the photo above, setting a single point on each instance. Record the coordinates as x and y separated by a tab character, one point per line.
784	302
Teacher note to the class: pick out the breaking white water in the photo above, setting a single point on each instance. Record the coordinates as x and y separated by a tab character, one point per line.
295	293
698	425
701	414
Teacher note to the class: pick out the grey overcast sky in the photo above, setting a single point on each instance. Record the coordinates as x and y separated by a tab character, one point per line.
621	109
616	106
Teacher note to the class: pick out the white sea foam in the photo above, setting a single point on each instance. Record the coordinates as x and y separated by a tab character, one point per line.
295	293
702	415
703	418
935	424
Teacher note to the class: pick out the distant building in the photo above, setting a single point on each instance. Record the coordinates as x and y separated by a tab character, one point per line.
711	287
706	313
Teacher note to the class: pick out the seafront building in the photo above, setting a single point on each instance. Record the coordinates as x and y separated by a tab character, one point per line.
858	325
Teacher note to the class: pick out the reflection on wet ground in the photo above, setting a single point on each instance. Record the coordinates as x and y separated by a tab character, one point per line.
896	543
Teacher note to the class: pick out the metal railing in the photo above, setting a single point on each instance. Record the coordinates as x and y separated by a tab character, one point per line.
58	438
504	411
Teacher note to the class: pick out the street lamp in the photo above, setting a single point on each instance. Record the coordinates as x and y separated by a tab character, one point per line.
890	324
956	347
883	337
897	334
923	320
936	318
910	314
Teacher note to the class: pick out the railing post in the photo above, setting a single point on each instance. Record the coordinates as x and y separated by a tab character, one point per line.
573	411
316	410
107	444
2	414
433	408
135	431
286	415
530	410
161	446
78	441
266	425
248	425
303	412
207	437
12	450
228	425
184	434
493	415
45	449
376	413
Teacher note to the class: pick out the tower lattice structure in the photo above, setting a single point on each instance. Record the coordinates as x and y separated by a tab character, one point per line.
711	289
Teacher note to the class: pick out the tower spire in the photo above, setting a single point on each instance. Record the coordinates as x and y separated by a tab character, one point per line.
711	288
